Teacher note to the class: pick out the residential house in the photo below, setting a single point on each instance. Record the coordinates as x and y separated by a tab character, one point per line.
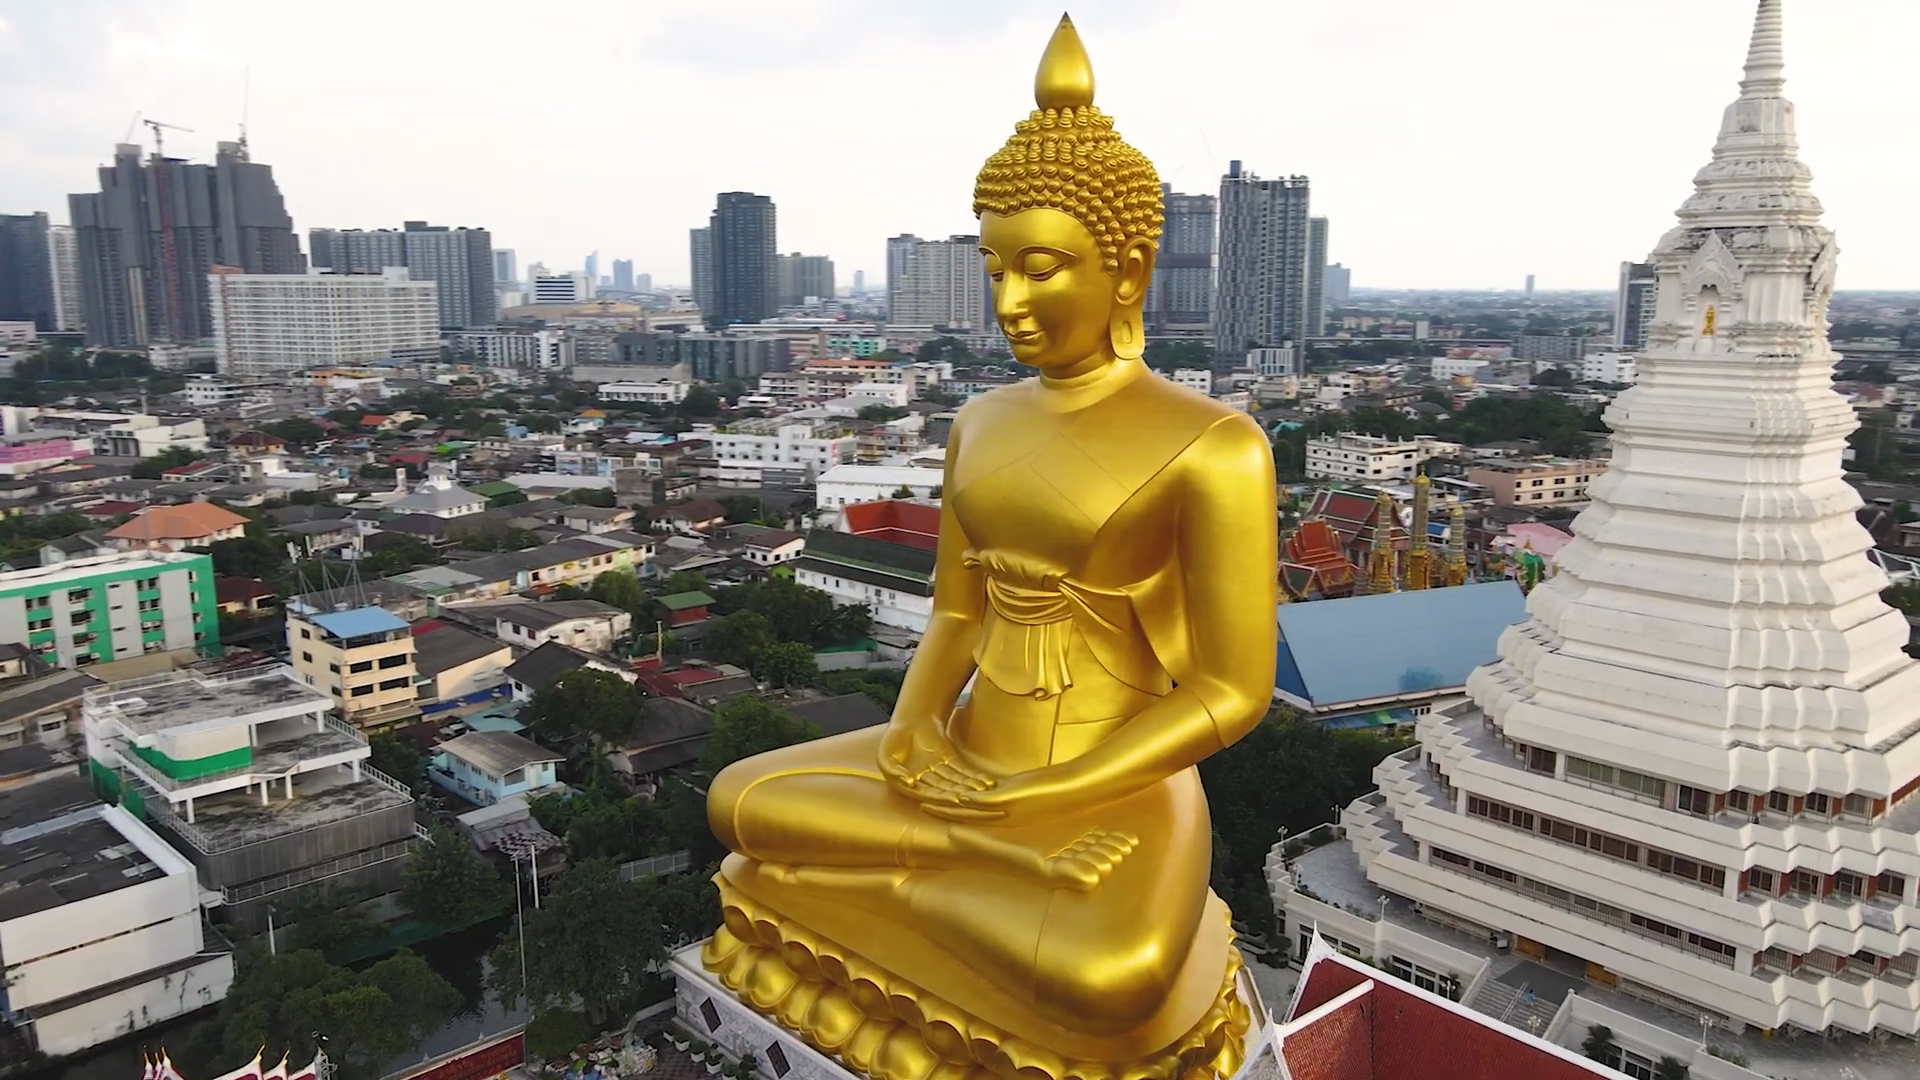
587	625
896	521
484	767
672	734
761	545
692	518
456	667
176	528
685	608
243	596
707	684
545	665
596	519
440	496
84	545
321	536
38	705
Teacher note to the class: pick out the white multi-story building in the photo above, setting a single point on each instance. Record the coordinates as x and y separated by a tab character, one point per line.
891	395
667	392
1450	367
1368	458
542	350
806	385
846	484
63	249
102	933
743	454
264	324
1695	766
246	775
1275	360
146	436
943	283
1199	380
568	288
1607	368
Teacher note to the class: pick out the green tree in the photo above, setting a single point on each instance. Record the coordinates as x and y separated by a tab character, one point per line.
1556	377
747	726
789	663
683	581
545	423
398	555
447	882
880	413
248	556
1670	1068
152	468
732	389
701	403
620	589
397	758
553	1033
281	1002
739	638
591	941
329	920
1167	355
798	613
600	497
1599	1045
586	702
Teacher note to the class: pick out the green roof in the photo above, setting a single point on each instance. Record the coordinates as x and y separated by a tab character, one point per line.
681	601
493	488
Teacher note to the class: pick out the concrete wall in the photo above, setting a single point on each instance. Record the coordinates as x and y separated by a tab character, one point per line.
1577	1014
135	1007
474	676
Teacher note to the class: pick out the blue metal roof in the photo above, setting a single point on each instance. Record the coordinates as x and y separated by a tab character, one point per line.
359	622
1369	648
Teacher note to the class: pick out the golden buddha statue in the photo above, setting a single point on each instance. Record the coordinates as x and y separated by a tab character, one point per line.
1013	877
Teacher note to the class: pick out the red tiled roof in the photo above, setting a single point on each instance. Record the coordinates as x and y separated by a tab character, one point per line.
911	524
189	521
237	590
1391	1030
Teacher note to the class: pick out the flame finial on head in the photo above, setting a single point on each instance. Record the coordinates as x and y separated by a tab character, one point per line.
1065	77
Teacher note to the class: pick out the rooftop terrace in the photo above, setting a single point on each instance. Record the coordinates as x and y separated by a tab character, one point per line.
58	848
182	698
235	819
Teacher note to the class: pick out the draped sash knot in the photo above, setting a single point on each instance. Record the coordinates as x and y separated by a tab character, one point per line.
1033	610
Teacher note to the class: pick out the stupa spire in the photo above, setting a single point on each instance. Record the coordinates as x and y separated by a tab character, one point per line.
1766	57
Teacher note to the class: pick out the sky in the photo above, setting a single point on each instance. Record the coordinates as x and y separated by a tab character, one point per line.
1452	143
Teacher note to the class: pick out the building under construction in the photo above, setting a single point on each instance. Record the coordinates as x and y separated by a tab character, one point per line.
158	225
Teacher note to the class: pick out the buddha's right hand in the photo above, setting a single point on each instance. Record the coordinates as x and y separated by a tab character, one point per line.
920	763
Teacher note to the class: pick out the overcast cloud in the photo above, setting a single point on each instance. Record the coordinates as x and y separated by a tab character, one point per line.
1453	143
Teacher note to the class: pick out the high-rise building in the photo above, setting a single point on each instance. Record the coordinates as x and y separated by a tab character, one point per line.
1633	305
804	276
506	268
269	324
592	266
357	251
1529	286
746	273
623	275
942	283
700	244
643	284
63	250
1261	292
1180	299
1695	766
1339	285
859	283
460	261
899	253
156	228
1316	277
26	271
568	288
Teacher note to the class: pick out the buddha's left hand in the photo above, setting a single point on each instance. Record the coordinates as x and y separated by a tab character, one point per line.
1020	797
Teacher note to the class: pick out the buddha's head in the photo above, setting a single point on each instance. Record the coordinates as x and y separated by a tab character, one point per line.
1069	223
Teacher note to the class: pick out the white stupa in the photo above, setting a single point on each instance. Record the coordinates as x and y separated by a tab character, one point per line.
1692	766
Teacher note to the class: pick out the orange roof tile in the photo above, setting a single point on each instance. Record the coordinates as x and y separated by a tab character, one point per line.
189	521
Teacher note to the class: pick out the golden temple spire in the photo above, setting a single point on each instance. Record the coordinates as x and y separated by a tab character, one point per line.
1418	565
1065	78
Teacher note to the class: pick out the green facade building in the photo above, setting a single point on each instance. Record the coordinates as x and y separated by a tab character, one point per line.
111	607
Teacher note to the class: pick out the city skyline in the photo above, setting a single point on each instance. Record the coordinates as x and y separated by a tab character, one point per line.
1466	192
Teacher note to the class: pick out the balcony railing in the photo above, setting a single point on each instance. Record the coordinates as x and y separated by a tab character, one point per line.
387	852
161	811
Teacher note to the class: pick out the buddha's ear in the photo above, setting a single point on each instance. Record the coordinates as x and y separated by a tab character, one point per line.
1135	273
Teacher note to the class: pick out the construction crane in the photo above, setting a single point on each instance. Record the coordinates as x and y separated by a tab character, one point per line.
170	277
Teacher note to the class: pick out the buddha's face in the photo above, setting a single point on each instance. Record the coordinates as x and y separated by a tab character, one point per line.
1051	295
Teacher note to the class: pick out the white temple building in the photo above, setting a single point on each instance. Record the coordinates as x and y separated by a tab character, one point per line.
1693	765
